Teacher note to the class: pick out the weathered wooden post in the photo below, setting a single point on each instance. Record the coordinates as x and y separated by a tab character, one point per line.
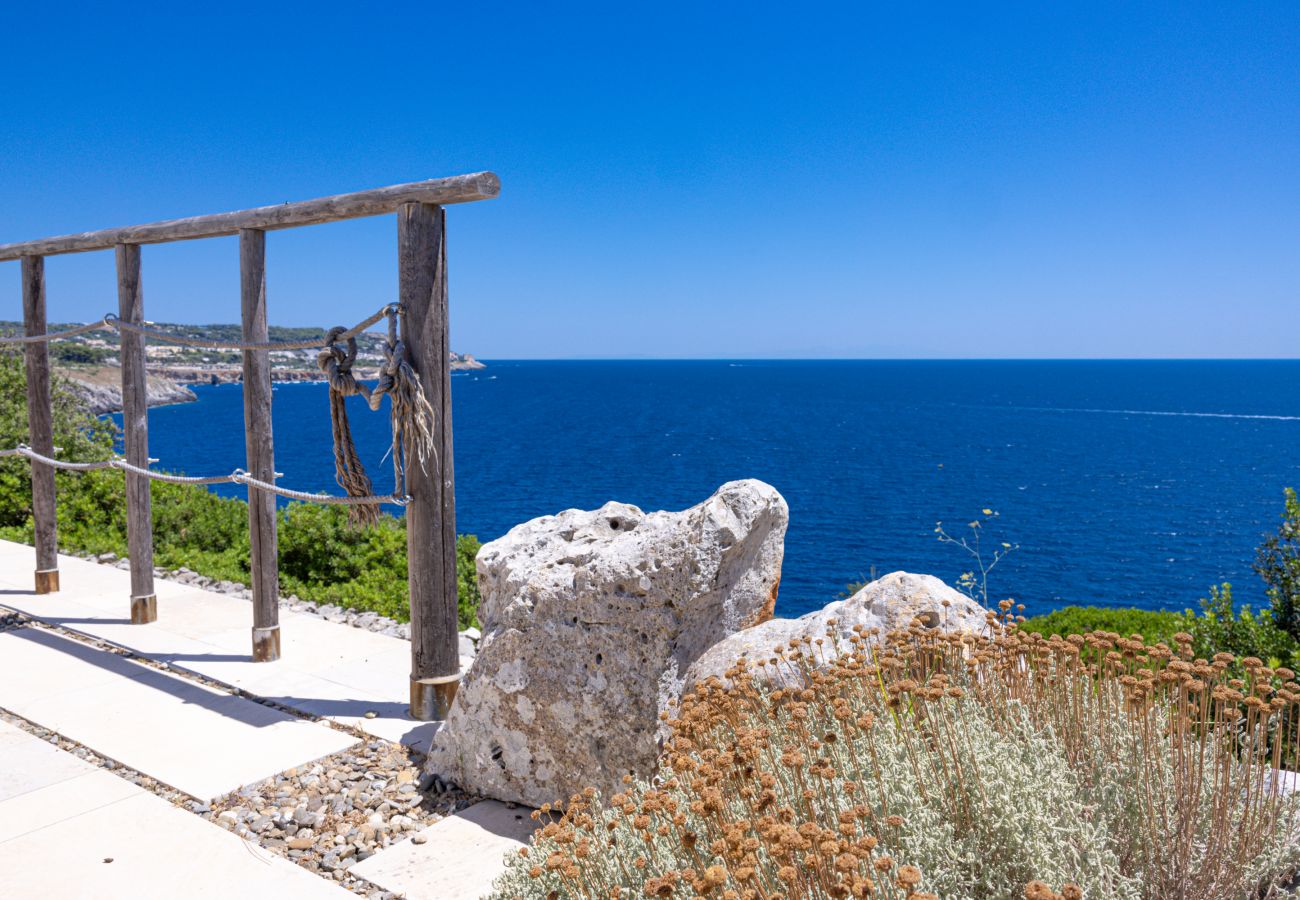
40	426
263	562
135	433
431	514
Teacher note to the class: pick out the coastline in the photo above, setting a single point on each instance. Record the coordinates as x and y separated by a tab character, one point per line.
101	388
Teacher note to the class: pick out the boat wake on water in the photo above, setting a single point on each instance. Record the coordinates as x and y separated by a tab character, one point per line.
1158	412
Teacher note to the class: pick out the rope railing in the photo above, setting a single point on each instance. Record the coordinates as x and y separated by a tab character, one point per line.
112	322
239	476
412	417
55	335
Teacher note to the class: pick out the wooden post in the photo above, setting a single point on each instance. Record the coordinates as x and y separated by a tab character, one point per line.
431	514
260	448
40	426
135	432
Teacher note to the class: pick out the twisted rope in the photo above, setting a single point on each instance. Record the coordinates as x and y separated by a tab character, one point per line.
335	361
239	476
411	417
56	335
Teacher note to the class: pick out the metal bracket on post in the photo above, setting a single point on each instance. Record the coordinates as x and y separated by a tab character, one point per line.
266	643
431	698
144	609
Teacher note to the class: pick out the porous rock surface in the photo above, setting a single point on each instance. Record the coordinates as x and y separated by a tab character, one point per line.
589	622
887	604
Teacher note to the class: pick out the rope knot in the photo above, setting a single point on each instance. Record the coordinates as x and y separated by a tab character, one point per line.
412	416
335	361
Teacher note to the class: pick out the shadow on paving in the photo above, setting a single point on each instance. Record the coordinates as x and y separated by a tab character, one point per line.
188	692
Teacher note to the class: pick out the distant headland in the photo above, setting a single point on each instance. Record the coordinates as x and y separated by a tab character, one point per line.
90	361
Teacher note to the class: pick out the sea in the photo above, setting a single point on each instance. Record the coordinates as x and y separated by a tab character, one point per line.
1117	483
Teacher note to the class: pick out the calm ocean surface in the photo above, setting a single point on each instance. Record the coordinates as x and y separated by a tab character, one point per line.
1124	483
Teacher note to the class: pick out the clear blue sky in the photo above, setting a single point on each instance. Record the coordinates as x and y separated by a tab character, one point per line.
700	180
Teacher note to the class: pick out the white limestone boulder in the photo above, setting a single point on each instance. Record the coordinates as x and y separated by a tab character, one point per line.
887	604
590	620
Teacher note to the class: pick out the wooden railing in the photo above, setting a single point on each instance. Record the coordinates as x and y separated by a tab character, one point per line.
422	294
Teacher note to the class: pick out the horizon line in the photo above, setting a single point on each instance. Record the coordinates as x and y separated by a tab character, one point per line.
501	359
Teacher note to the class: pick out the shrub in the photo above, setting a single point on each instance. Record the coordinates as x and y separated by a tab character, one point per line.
1221	627
961	766
1278	562
1154	625
79	436
80	354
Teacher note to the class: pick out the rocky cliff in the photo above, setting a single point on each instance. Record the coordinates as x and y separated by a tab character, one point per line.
102	385
102	389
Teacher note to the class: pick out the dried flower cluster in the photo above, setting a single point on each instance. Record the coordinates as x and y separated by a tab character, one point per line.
921	763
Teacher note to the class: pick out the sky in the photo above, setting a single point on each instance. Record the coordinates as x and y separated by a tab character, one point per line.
690	180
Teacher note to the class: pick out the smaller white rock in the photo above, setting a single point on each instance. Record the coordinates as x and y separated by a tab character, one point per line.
884	605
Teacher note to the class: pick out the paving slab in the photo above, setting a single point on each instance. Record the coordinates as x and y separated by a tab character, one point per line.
61	800
198	740
460	858
326	668
89	835
30	764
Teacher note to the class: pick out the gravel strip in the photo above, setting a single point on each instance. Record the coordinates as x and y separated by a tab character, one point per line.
341	810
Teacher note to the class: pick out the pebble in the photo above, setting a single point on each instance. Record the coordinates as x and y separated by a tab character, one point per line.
343	809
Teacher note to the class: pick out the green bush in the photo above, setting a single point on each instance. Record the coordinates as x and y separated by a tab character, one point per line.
1223	628
1220	627
1154	625
79	436
322	557
80	354
1278	563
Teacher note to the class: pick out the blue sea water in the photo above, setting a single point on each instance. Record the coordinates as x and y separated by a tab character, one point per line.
1123	482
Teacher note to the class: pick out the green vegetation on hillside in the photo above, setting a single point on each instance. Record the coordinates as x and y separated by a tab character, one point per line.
322	558
1220	627
1154	625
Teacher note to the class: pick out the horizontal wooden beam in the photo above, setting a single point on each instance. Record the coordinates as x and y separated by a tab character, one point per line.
376	202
